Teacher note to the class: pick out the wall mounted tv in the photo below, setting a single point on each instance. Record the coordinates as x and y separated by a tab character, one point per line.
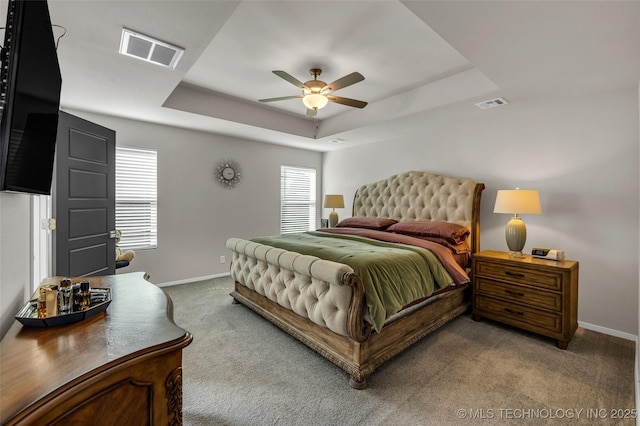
29	99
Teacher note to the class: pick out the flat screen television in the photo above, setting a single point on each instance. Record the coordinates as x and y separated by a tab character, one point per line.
29	99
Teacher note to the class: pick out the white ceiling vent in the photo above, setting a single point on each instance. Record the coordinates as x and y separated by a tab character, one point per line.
492	103
338	141
149	49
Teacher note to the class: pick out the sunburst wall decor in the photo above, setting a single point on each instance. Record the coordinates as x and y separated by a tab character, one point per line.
228	174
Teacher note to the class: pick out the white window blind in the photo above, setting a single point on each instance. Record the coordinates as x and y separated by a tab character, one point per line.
297	199
136	197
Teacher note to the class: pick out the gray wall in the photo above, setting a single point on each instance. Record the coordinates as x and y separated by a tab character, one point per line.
15	246
581	154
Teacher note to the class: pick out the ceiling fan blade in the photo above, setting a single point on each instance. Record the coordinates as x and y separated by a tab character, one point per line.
282	98
291	79
345	81
311	112
347	101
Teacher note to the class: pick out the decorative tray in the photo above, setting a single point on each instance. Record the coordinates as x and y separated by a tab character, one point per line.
28	315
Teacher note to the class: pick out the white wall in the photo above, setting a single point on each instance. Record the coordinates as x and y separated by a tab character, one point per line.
195	214
582	154
15	273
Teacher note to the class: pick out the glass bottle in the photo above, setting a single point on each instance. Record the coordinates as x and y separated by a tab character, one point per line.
76	298
51	297
85	295
65	296
42	302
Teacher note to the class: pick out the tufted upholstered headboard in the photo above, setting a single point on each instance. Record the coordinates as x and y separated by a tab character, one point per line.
423	196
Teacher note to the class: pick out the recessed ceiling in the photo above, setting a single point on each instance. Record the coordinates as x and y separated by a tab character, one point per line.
337	37
415	57
401	66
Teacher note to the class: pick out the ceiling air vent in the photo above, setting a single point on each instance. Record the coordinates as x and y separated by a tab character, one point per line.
492	103
149	49
338	141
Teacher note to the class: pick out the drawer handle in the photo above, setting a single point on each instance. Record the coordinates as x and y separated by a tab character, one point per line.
511	311
514	274
515	293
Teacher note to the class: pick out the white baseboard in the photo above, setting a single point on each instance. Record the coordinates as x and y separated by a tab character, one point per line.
193	280
609	331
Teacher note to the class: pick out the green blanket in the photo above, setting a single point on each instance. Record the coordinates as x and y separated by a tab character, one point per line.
393	274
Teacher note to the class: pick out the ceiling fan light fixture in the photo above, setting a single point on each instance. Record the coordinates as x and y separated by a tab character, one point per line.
315	101
315	93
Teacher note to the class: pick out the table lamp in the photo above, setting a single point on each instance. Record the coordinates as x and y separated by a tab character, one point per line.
517	201
333	201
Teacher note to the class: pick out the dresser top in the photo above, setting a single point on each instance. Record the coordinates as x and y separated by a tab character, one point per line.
528	260
37	362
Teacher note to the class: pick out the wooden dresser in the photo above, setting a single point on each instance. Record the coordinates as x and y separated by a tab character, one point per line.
537	295
120	367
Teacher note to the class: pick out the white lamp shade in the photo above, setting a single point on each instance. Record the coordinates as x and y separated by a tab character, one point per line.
315	101
334	201
518	201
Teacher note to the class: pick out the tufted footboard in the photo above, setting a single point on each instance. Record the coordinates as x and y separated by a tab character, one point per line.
327	293
321	303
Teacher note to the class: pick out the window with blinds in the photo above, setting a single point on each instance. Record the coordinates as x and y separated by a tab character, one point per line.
297	199
137	197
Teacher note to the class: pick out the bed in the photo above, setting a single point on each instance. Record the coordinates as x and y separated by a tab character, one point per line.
324	299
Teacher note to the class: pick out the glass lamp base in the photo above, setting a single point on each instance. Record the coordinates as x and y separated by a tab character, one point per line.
517	254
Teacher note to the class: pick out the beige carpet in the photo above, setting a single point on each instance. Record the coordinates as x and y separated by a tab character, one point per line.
241	370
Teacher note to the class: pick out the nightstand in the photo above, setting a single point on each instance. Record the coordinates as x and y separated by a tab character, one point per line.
533	294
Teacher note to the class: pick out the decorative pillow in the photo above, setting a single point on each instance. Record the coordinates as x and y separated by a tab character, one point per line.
377	223
452	232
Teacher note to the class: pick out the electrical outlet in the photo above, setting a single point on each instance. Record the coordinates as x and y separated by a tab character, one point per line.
222	259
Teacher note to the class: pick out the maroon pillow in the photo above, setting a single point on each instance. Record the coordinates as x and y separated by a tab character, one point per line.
377	223
455	248
452	232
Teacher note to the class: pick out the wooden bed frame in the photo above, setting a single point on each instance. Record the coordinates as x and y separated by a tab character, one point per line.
321	303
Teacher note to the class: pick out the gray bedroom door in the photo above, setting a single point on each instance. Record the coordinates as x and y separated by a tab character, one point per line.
83	198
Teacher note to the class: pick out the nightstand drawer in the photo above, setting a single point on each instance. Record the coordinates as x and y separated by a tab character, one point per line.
525	295
521	316
519	275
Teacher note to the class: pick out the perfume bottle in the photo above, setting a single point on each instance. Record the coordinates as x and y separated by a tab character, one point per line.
65	290
76	298
42	302
85	295
51	297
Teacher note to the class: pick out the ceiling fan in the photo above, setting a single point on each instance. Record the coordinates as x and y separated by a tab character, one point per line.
315	93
